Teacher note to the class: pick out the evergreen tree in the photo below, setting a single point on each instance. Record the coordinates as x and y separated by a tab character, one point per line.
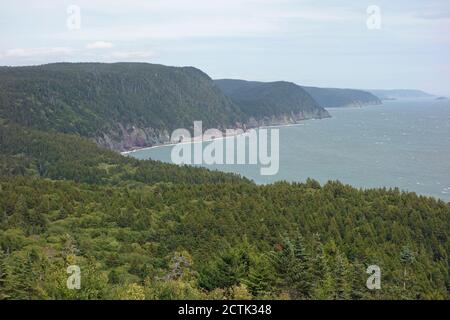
261	277
407	259
342	273
292	262
323	283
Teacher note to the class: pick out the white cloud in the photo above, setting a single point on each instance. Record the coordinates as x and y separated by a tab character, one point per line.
99	45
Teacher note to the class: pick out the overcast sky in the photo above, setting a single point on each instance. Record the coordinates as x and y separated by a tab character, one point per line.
321	43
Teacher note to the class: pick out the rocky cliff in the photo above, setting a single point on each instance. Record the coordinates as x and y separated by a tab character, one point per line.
126	138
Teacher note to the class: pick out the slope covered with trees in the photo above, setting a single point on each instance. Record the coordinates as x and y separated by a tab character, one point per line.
269	100
336	98
121	105
126	105
168	241
29	152
259	99
147	230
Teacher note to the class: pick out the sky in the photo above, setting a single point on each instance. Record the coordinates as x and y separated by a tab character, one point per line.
333	43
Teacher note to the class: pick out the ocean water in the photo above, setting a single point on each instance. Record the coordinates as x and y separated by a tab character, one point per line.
402	143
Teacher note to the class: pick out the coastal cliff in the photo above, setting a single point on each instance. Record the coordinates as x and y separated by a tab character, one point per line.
127	138
123	106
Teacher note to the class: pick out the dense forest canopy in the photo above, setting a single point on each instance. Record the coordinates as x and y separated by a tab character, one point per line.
148	230
88	98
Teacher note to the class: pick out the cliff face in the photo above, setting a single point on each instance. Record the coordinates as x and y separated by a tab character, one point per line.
263	104
292	118
126	138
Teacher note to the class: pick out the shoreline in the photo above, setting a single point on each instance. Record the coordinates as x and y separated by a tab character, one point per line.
195	140
300	123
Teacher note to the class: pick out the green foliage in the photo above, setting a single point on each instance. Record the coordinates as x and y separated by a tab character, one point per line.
269	99
148	230
335	98
89	99
227	270
68	157
189	247
293	264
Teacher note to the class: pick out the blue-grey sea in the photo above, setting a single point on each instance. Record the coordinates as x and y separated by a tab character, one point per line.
402	143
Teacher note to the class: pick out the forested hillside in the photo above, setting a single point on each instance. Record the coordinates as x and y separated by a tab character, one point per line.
265	101
28	152
120	105
147	230
126	105
336	98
